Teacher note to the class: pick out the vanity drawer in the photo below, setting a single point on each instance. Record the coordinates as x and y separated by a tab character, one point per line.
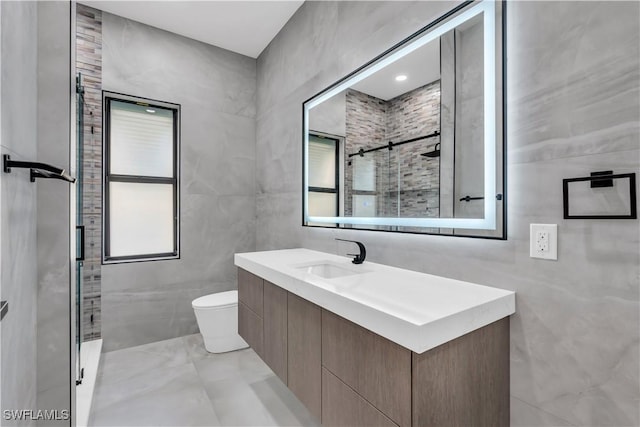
341	406
250	328
376	368
250	291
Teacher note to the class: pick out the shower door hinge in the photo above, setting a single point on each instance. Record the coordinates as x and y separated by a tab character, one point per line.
78	382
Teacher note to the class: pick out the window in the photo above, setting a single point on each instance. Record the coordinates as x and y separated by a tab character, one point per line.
140	179
323	177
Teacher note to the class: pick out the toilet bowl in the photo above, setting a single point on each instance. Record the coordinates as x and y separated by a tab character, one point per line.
217	316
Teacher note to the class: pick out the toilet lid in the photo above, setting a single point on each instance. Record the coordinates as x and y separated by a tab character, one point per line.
217	300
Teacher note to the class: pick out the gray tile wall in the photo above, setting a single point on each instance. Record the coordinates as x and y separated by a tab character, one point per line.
573	107
414	114
365	122
18	206
469	122
151	301
56	208
447	125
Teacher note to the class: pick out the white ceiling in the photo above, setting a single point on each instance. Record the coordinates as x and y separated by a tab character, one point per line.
421	66
244	27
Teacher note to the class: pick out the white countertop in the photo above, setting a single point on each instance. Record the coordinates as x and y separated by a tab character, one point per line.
416	310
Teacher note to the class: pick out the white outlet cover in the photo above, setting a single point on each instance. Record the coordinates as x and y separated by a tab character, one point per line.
551	231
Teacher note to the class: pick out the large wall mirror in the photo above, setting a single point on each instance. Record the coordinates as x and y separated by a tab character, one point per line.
413	141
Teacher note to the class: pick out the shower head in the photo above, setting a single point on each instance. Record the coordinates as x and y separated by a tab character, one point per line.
434	153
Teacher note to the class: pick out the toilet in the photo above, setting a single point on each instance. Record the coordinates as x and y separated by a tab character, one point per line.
217	316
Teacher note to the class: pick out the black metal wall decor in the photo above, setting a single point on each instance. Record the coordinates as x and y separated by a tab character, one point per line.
602	179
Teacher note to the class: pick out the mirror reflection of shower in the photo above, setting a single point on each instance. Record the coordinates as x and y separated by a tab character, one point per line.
409	137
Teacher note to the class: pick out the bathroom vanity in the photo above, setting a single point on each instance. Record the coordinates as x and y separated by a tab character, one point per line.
365	345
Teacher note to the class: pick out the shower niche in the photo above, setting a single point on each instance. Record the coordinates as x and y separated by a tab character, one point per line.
413	141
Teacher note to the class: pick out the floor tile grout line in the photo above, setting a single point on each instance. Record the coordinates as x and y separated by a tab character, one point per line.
188	362
200	381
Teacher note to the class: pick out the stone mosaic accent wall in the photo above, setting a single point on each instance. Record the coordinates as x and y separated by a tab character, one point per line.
365	128
371	122
89	64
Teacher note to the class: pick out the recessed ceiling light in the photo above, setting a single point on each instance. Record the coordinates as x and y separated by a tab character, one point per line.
149	110
401	78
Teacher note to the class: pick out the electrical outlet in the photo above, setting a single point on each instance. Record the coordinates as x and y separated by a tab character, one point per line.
544	241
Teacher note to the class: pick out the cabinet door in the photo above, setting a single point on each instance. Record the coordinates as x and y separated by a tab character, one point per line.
304	352
343	407
376	368
275	329
250	328
250	290
464	381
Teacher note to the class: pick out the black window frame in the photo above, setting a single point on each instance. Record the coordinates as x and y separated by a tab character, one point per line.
336	190
107	178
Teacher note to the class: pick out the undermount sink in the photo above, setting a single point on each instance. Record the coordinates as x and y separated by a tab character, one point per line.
327	270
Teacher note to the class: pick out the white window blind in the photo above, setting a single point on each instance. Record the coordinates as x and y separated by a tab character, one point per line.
322	162
141	142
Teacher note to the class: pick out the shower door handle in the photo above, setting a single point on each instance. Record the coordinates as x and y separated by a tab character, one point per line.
469	198
81	257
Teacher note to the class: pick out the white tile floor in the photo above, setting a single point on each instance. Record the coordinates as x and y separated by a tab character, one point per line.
177	383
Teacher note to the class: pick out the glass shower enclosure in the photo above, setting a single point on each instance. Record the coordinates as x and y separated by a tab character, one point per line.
402	180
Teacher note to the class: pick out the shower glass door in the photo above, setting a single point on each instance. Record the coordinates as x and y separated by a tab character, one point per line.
79	222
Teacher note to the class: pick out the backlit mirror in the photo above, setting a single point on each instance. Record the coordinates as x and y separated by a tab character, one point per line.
413	140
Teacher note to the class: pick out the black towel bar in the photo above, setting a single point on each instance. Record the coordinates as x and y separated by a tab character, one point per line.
38	170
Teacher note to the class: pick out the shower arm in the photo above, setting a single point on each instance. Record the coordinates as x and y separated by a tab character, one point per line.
38	170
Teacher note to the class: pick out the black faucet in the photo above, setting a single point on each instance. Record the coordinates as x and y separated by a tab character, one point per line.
358	258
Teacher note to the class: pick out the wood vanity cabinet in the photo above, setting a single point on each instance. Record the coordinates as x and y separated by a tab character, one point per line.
343	407
250	291
305	352
275	329
250	304
347	375
464	382
374	367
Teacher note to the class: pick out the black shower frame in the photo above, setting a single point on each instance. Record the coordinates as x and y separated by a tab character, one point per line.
435	22
391	144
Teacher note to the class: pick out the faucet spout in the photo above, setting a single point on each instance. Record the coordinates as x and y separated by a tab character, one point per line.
358	258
